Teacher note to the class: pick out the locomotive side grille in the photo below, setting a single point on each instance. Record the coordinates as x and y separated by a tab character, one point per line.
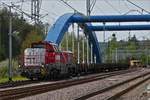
34	56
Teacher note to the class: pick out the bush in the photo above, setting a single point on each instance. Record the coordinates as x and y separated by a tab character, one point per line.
3	72
4	68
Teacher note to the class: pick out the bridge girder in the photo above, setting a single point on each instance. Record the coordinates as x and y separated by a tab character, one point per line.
111	18
119	27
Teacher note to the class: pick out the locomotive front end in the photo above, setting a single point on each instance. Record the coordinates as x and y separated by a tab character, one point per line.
33	61
45	60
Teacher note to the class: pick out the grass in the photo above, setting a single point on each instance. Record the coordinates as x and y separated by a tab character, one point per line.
15	78
4	72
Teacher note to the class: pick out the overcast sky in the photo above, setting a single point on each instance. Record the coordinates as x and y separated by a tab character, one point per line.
55	8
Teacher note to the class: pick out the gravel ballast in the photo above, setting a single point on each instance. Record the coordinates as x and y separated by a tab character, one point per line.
74	92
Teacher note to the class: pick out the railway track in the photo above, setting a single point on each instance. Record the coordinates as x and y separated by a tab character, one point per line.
22	92
27	82
122	92
115	91
16	83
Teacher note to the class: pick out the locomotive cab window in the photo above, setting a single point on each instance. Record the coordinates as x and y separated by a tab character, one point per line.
38	46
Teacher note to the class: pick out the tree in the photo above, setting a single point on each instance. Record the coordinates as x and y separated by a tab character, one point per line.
112	45
132	43
30	38
19	26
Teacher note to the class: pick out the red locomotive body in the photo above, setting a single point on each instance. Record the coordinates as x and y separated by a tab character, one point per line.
45	60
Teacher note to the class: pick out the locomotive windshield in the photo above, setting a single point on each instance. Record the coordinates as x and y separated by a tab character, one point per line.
38	45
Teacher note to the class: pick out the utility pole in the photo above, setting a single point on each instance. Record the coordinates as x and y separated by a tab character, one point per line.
35	10
88	7
88	14
10	44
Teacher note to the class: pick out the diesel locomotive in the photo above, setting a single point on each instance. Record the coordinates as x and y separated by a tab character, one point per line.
45	60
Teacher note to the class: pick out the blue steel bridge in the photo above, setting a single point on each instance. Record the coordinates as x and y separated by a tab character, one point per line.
58	30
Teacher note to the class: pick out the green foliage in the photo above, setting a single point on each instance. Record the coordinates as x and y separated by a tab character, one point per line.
132	43
145	59
2	55
30	38
15	78
4	68
112	45
129	47
23	34
3	71
19	26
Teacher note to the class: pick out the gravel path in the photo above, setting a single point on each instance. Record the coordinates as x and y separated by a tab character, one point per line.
77	91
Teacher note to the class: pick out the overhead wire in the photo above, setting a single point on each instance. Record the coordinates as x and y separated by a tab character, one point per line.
112	6
19	1
138	6
132	10
125	3
68	5
40	3
17	8
51	14
100	9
